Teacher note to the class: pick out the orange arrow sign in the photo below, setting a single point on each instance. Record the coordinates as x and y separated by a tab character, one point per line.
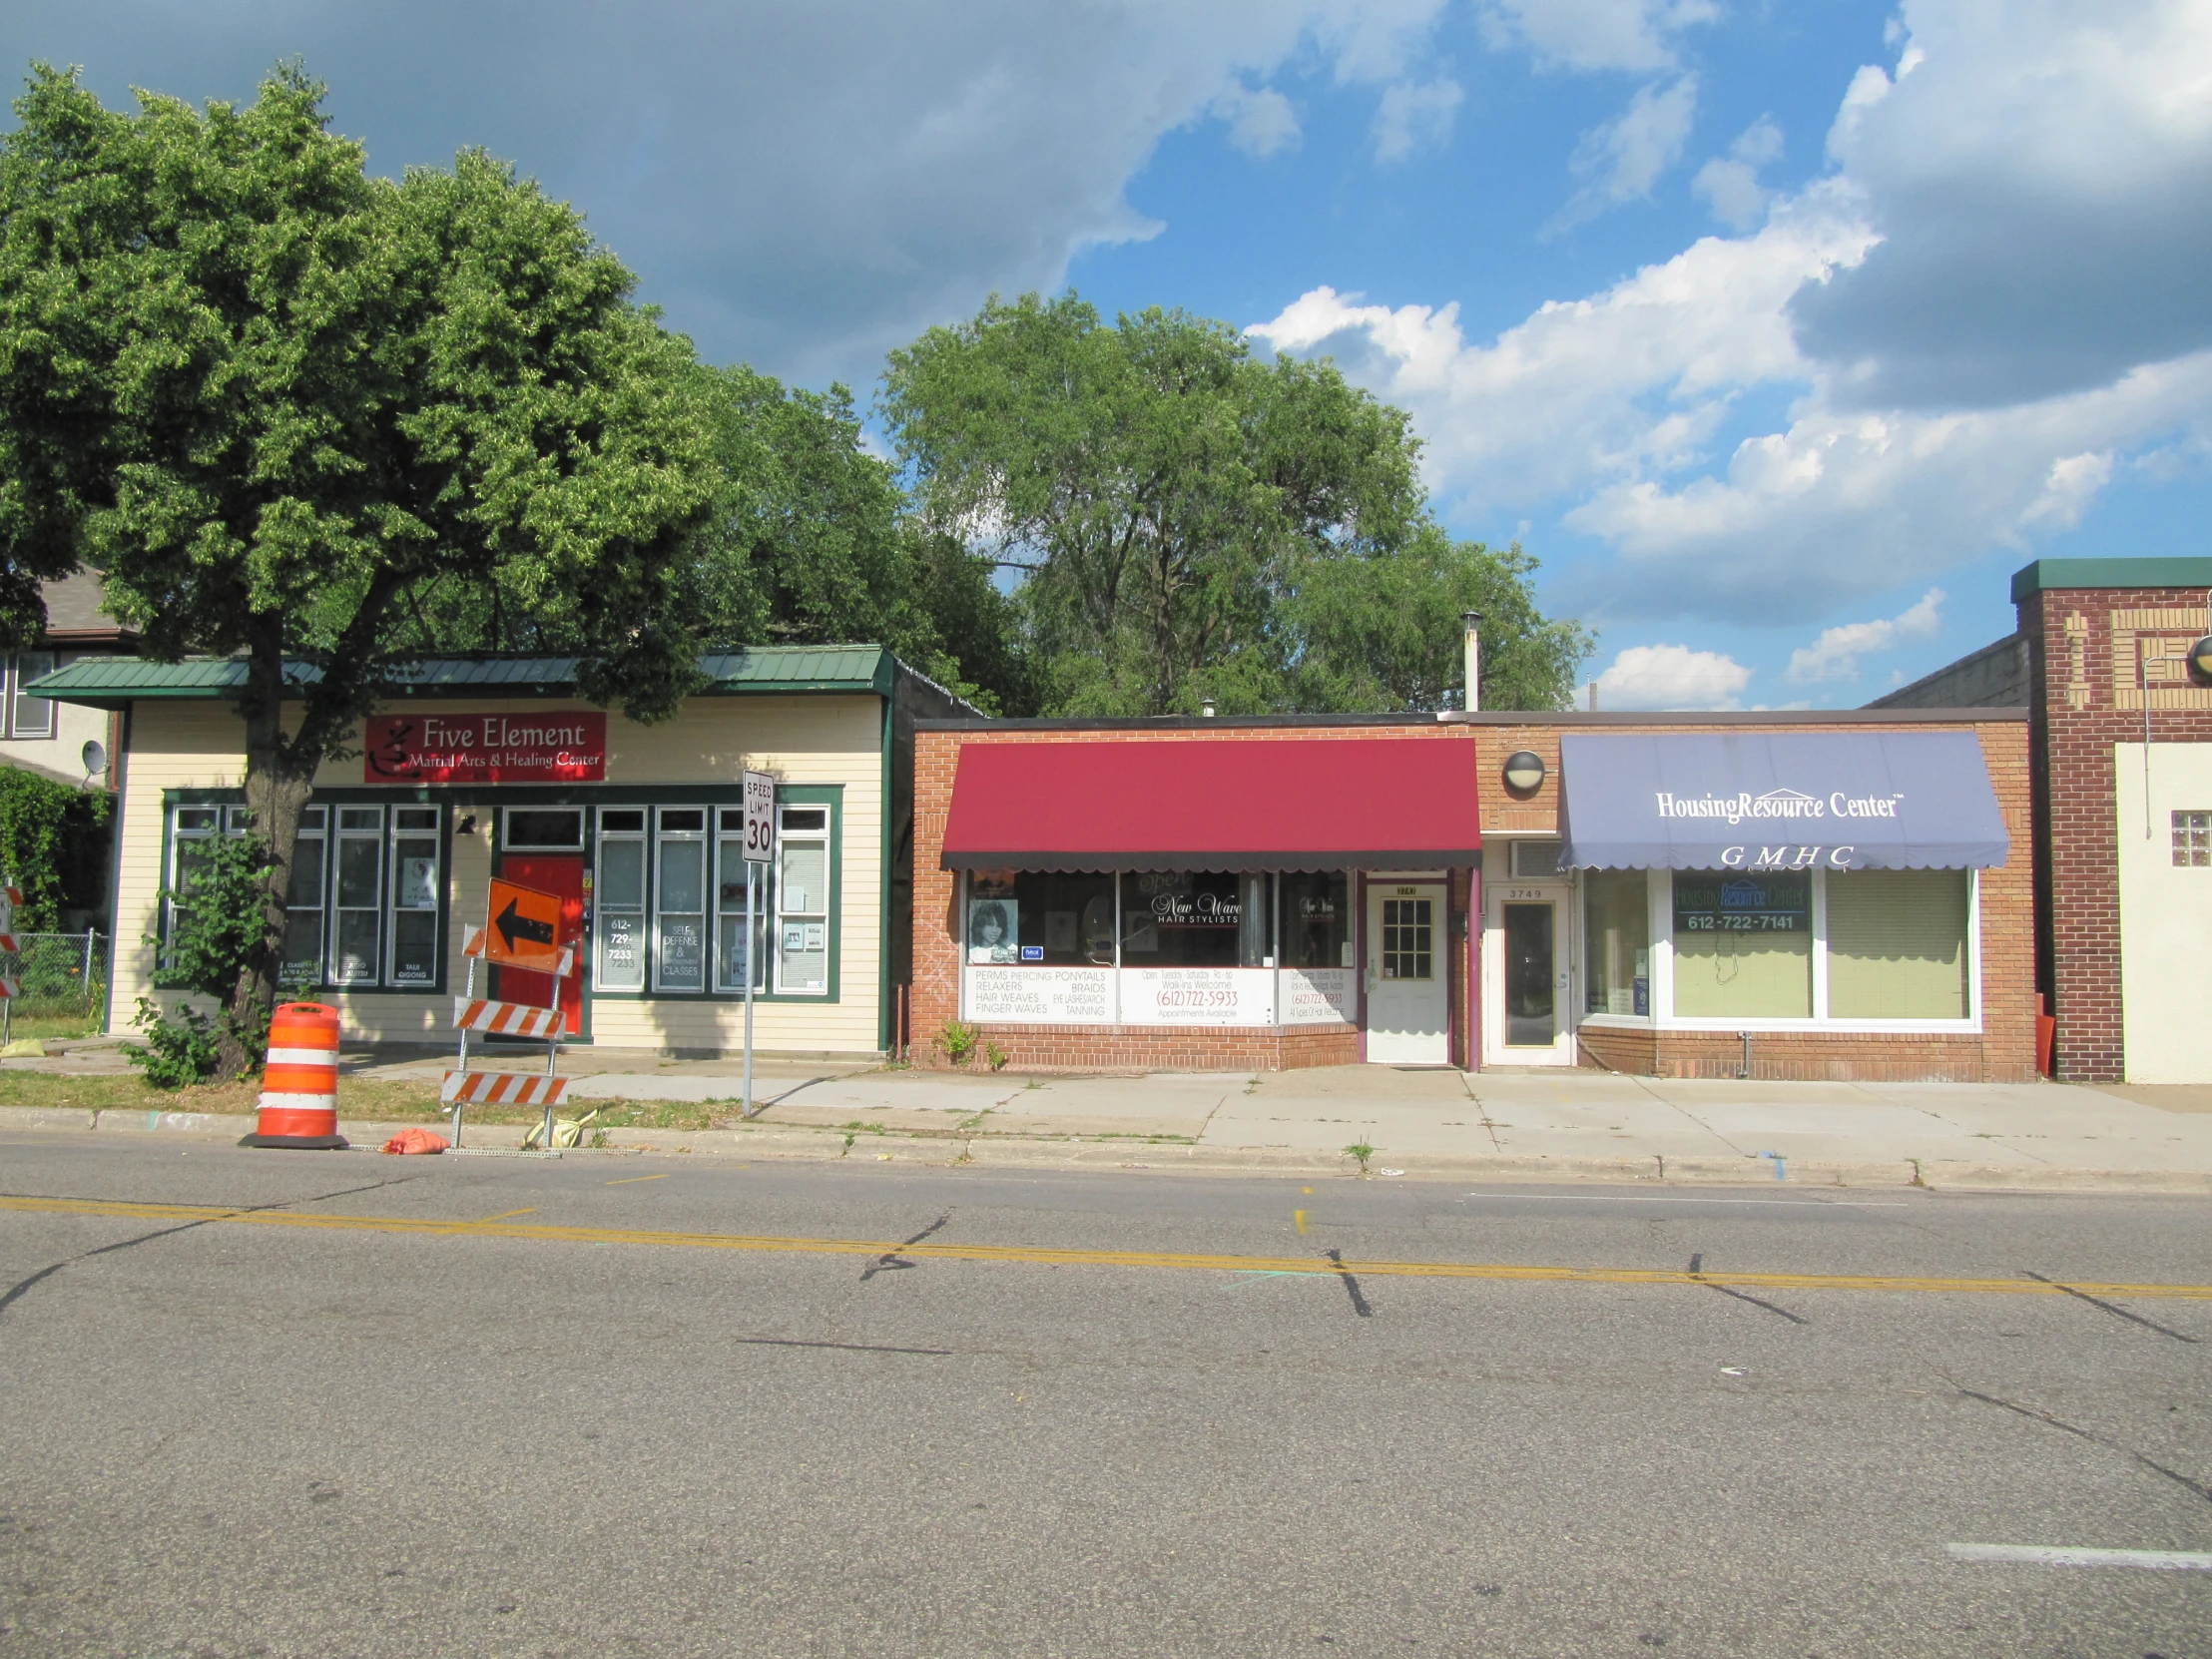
523	928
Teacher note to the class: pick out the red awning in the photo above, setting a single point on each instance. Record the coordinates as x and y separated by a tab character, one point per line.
1215	803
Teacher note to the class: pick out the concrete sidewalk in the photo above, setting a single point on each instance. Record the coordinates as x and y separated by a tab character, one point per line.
1567	1125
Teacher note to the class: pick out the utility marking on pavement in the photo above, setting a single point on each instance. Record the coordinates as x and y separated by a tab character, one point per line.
1298	1220
633	1180
1048	1256
2054	1555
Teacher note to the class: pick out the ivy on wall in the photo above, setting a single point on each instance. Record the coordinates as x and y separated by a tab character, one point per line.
42	825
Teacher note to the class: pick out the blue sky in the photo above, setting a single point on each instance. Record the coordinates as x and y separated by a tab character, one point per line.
1780	332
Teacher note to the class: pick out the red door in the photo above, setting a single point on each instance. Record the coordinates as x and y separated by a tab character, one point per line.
561	873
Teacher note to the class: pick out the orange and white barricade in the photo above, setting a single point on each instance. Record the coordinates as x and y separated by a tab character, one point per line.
299	1084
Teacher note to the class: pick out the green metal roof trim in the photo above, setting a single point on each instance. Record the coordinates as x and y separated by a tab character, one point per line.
2045	574
113	682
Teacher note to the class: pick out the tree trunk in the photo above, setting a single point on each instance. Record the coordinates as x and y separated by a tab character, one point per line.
279	774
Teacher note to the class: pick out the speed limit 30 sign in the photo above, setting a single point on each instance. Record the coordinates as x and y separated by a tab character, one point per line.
760	817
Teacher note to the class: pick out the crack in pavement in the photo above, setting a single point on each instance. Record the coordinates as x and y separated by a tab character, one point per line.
2197	1487
1697	1267
1351	1283
23	1286
891	1259
2115	1310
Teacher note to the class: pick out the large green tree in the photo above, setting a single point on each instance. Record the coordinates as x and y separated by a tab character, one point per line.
292	412
1188	521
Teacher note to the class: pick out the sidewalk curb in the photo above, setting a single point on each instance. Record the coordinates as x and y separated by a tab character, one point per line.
797	1144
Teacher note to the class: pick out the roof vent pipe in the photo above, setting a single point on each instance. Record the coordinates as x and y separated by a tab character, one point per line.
1473	620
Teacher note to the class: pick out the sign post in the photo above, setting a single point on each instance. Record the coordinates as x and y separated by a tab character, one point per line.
760	846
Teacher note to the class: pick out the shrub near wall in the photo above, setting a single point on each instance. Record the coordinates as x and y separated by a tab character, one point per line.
42	823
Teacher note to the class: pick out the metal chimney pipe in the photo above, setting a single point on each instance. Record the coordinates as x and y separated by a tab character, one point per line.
1206	708
1473	620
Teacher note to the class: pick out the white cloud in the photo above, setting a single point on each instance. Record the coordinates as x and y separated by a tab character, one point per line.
2039	172
1594	34
1623	159
1260	120
1616	409
1672	677
1834	655
1730	184
1416	115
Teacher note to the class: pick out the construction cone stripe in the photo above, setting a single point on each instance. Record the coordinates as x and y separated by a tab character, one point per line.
299	1084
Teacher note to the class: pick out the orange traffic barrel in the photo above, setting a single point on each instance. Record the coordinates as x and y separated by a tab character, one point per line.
299	1085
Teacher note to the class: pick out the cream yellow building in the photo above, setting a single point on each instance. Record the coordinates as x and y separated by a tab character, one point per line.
493	767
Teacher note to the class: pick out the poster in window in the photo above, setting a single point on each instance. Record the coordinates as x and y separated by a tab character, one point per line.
994	930
419	883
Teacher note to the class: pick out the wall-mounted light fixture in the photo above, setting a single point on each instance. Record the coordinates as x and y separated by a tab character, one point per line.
1524	773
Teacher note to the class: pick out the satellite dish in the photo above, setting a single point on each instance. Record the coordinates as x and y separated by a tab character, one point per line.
96	756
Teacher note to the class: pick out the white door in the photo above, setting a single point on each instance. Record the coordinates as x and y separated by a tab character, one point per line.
1407	974
1527	994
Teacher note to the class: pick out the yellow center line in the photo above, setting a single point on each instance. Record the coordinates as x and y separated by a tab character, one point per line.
1046	1255
633	1180
504	1215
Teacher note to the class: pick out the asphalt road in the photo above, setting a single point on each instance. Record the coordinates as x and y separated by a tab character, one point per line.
234	1436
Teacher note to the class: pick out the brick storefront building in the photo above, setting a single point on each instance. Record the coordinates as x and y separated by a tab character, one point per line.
2122	764
1241	894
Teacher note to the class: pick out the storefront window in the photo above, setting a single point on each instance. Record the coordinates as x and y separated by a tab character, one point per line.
304	900
680	857
1897	944
416	890
618	900
1316	920
360	884
1616	914
731	952
802	899
1043	917
1187	918
1743	946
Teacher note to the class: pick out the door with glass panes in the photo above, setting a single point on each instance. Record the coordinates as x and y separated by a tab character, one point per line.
543	847
1408	974
1528	969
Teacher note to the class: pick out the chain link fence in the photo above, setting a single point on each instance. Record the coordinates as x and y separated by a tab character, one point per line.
61	976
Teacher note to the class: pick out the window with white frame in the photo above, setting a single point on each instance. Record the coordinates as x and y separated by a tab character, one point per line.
618	900
668	901
803	901
29	717
732	954
365	902
1875	945
680	899
304	918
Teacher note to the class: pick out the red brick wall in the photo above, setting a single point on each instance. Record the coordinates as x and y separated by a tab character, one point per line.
2004	1053
2083	678
936	985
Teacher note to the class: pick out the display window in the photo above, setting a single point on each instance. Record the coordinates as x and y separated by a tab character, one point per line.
366	906
1187	918
1316	920
1048	919
1863	947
